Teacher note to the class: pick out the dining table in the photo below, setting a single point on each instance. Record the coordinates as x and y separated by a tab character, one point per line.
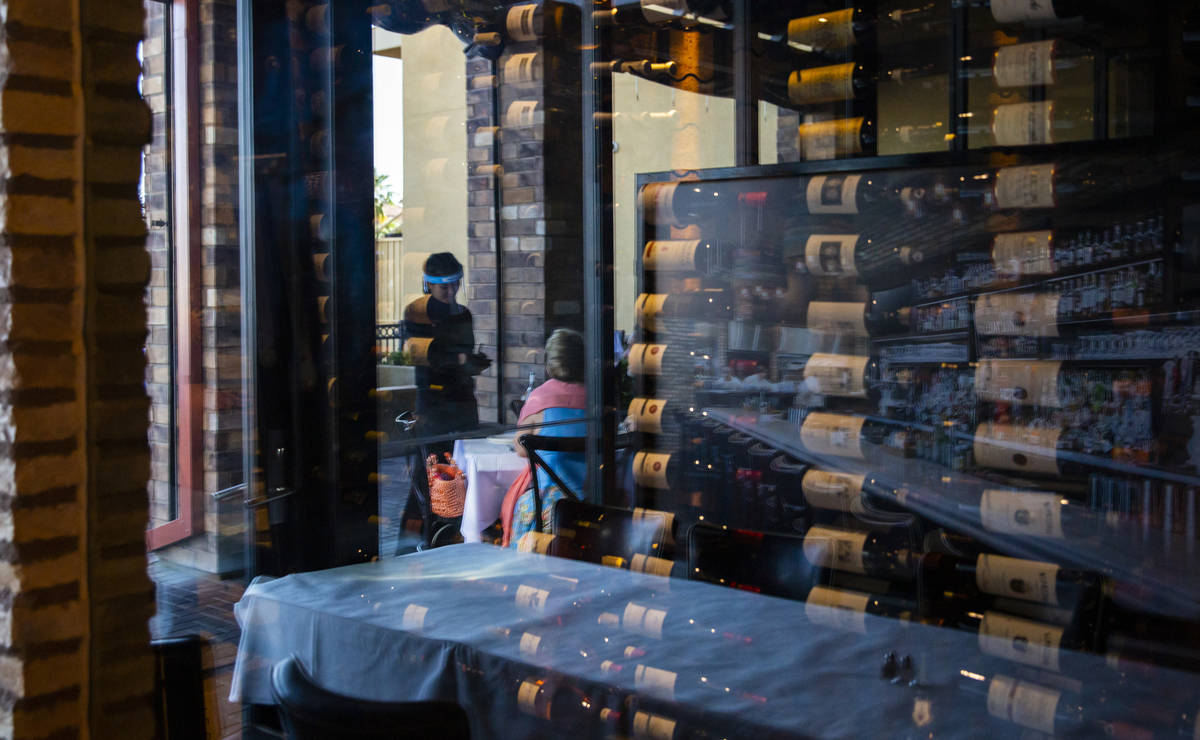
490	466
494	629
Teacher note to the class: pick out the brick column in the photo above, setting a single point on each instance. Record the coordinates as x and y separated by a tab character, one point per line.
541	248
74	596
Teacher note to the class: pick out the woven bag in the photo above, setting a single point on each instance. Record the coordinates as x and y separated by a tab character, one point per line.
446	497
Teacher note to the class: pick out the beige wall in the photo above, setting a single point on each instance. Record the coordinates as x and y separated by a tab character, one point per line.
435	152
657	128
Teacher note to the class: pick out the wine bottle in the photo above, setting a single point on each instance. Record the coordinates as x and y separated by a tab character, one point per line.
565	704
648	621
1046	11
1050	185
650	565
848	610
668	684
1040	122
884	314
844	376
829	490
694	256
1037	63
856	256
834	83
706	305
685	14
665	359
1027	449
649	726
788	476
533	21
1026	704
869	553
687	202
649	416
1047	646
853	436
833	33
1013	578
659	470
837	138
1032	513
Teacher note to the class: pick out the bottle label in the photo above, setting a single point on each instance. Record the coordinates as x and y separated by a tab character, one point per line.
658	11
835	548
658	203
841	137
1023	703
825	32
833	434
831	255
609	620
523	68
1012	447
1030	580
1020	640
833	194
642	621
835	317
647	414
1016	11
646	359
655	681
648	726
838	375
1025	187
417	349
834	607
527	696
612	561
650	469
649	309
651	565
519	22
1032	382
533	599
1020	253
822	84
836	491
1017	314
1020	512
521	113
533	541
414	617
530	644
672	255
1022	124
1024	65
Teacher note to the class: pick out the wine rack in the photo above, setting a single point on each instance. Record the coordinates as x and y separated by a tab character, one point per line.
954	381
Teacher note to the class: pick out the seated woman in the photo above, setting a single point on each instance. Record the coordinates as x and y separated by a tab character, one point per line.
561	398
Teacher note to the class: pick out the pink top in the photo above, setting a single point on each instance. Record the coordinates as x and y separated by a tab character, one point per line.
555	394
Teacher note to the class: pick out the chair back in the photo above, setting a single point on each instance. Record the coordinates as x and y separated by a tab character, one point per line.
764	562
609	531
309	712
537	444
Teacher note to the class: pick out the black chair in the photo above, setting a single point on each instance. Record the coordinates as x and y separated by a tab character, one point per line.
309	712
179	685
535	444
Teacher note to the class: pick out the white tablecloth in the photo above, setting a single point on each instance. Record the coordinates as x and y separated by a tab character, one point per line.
490	469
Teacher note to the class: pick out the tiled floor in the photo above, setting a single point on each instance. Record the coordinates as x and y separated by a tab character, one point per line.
191	602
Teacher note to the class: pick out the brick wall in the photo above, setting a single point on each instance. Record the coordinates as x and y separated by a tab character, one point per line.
74	596
218	543
540	256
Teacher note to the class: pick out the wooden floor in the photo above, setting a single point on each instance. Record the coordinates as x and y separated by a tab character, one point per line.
191	602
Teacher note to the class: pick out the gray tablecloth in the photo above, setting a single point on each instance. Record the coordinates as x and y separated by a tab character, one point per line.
464	623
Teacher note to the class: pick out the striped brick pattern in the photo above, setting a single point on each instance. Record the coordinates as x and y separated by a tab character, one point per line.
74	596
120	596
43	618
